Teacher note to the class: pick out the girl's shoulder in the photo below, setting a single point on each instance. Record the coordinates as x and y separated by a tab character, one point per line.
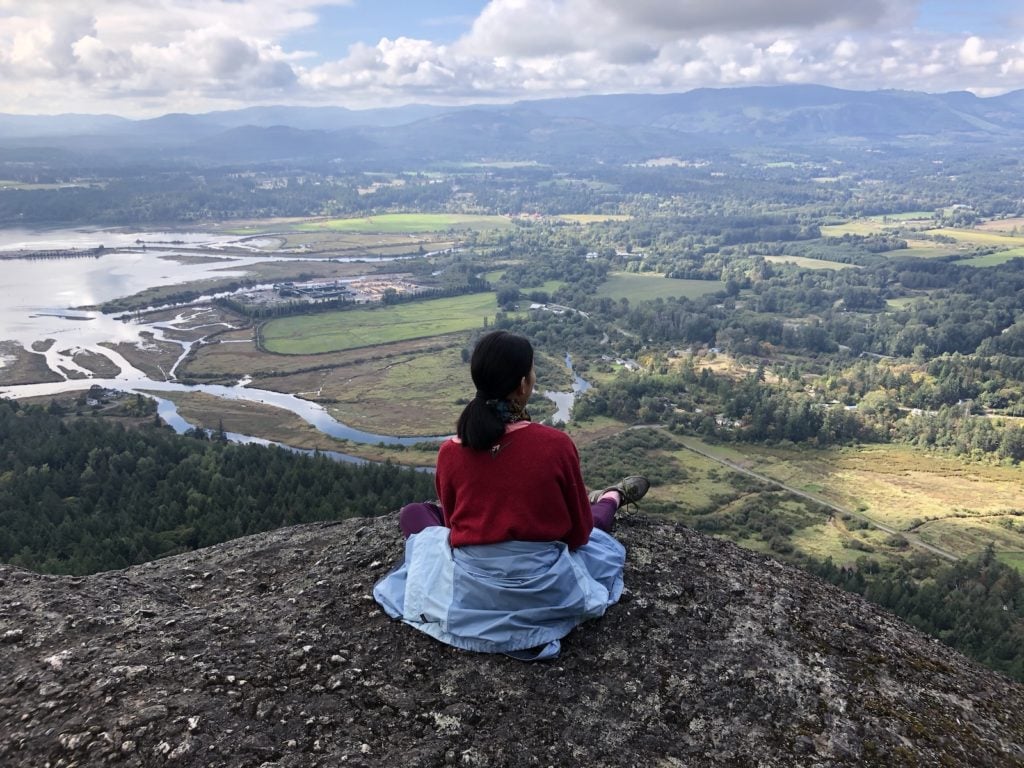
529	431
544	433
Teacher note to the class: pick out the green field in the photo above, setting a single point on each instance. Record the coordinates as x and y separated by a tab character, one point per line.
806	263
923	249
592	218
907	216
871	225
644	287
1013	559
861	227
407	223
548	286
965	238
994	259
902	302
948	502
979	237
351	329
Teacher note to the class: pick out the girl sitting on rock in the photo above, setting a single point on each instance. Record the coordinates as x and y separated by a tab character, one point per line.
517	553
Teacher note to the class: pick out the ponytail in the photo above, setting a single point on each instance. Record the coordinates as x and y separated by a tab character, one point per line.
500	361
479	427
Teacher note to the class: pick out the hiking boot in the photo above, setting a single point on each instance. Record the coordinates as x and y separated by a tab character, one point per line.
631	489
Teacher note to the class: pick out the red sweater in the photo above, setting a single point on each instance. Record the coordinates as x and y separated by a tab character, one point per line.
528	488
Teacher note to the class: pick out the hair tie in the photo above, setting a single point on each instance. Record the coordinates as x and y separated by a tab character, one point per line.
508	411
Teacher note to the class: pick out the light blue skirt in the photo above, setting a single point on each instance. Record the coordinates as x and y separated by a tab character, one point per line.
517	597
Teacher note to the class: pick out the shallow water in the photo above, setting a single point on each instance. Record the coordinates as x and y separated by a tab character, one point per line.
40	297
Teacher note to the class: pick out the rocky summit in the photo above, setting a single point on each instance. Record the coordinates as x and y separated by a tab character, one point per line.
269	651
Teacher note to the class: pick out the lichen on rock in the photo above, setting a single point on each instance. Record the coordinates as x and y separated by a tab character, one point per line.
270	651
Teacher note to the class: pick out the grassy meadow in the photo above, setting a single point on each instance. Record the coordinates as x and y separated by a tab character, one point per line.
279	425
592	218
873	225
806	263
368	327
955	505
411	223
420	393
548	286
924	249
647	286
994	259
923	498
1009	226
723	501
979	237
901	302
409	388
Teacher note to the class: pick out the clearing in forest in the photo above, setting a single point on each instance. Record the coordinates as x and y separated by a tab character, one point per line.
807	263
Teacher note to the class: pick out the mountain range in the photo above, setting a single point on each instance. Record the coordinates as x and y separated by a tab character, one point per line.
608	128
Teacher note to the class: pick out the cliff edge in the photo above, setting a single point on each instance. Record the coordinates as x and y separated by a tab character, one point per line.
269	651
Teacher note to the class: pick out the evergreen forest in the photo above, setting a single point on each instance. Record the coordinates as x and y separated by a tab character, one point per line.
81	495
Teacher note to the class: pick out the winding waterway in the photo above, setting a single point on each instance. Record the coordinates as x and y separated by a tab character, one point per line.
39	301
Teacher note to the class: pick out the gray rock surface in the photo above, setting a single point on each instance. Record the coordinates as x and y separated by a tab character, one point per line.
269	651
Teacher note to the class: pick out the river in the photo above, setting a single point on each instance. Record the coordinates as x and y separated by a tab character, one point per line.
40	296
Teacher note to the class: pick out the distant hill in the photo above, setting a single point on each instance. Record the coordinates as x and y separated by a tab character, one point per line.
623	127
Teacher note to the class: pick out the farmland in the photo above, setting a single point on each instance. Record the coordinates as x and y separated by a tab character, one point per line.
592	218
927	241
993	259
351	329
805	263
645	287
956	506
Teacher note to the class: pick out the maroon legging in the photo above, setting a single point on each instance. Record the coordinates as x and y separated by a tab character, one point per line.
413	518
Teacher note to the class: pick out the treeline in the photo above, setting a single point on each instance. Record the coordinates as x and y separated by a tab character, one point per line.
84	495
975	605
753	411
137	197
974	380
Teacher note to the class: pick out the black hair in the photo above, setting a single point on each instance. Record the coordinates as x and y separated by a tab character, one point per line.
500	361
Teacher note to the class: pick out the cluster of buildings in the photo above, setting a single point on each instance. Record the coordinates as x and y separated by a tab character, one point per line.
365	290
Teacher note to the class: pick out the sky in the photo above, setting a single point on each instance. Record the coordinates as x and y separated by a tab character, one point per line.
143	58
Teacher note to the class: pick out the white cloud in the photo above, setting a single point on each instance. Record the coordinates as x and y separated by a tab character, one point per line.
973	53
109	53
403	65
527	28
132	56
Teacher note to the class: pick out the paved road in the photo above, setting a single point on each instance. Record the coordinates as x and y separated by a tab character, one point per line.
910	537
